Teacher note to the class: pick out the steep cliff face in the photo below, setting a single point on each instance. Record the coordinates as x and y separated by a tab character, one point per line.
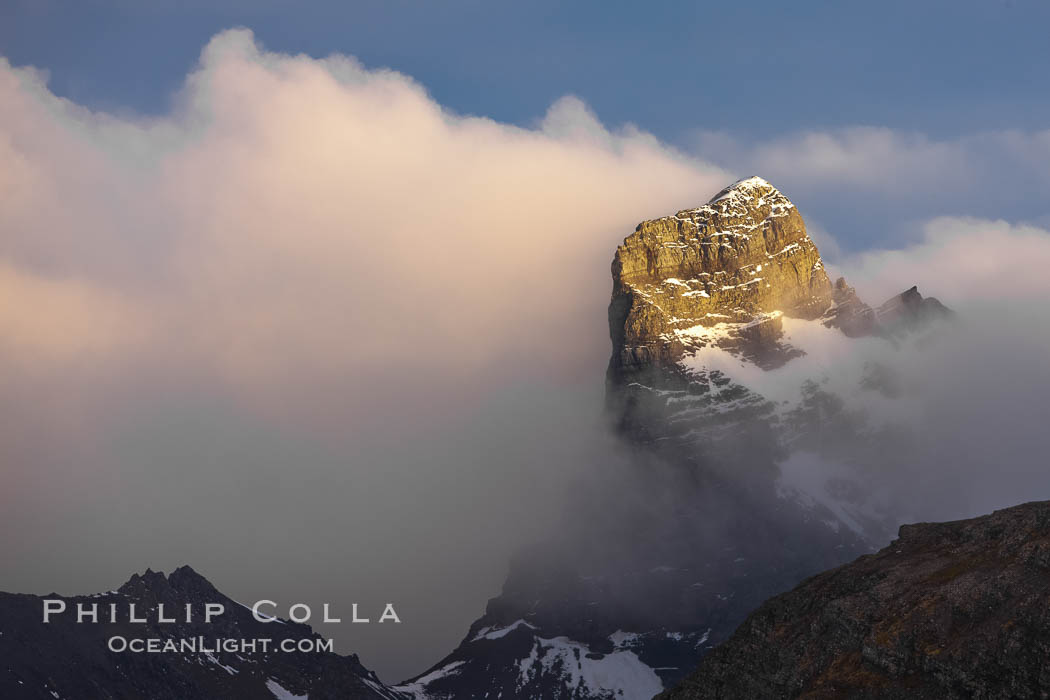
726	276
752	400
742	256
948	610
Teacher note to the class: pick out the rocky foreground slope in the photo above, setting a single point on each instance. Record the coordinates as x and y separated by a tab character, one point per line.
756	406
70	660
948	610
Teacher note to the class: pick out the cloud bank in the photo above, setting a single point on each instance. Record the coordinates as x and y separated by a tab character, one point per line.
309	323
969	261
324	340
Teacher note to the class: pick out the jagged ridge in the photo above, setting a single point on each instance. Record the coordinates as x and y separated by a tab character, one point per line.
64	659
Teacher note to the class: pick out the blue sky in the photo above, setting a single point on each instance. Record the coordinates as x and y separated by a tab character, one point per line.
756	68
724	82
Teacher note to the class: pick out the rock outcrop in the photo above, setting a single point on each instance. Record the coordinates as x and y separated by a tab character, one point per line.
948	610
848	313
909	312
743	254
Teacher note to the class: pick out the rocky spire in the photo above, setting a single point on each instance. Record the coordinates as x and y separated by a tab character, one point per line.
743	256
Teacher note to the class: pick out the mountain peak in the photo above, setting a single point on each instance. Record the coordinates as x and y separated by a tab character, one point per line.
70	660
187	579
723	273
753	181
744	254
183	579
909	311
750	200
149	580
748	186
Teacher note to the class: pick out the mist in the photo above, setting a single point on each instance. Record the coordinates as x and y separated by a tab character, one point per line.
981	387
311	334
325	341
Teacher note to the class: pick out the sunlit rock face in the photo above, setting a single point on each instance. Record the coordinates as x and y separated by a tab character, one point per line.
740	257
722	275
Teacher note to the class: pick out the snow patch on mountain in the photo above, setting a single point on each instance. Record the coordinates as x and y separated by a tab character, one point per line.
418	687
280	693
836	363
498	632
620	674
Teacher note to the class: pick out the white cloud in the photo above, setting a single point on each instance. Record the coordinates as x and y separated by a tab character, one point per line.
292	198
961	261
309	289
884	159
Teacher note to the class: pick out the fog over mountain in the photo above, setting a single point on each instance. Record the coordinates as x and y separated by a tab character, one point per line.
770	424
321	338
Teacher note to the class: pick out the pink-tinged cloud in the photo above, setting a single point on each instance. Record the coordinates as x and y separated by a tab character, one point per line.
307	307
298	219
